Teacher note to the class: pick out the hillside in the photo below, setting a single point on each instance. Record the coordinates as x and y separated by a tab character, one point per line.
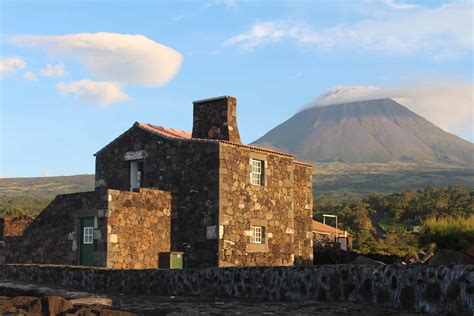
372	131
339	181
31	195
346	181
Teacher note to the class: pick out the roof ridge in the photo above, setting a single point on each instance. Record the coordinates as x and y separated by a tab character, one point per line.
180	134
258	148
165	131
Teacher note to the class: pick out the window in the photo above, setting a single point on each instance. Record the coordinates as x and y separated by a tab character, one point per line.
140	174
258	234
256	177
88	235
136	174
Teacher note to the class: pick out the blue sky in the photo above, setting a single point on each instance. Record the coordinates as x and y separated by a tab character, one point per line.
77	74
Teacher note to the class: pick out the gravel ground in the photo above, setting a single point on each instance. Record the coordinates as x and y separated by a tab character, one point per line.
152	305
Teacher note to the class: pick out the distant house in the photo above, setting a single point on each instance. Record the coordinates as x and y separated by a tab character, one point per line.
204	195
327	236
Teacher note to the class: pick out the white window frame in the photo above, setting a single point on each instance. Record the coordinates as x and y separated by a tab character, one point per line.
136	175
256	176
88	235
258	233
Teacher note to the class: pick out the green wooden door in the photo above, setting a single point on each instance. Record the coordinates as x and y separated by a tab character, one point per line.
87	241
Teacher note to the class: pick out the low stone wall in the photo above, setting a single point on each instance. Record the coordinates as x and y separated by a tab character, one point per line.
47	238
425	289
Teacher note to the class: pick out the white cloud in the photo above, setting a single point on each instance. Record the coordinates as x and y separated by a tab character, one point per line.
128	59
98	92
264	33
400	5
30	76
54	71
446	104
441	32
9	65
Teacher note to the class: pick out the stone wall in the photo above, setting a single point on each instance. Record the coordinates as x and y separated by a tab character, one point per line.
130	230
48	238
188	169
437	289
303	205
243	204
216	119
14	226
138	228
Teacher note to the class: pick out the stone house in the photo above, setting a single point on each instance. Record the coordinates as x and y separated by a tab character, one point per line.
328	236
160	190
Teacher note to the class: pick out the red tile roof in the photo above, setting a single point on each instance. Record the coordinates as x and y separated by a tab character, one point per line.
174	133
303	163
165	131
323	228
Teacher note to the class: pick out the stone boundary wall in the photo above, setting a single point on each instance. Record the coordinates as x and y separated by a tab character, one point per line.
437	289
48	238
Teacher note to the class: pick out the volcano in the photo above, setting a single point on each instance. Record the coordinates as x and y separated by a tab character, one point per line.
372	131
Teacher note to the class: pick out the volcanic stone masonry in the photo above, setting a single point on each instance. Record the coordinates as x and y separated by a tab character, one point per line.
436	289
216	118
160	190
131	228
272	206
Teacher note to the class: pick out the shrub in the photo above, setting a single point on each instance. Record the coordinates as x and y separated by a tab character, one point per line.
448	232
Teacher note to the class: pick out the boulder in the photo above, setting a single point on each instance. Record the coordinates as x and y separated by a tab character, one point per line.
54	305
7	307
22	302
111	312
81	311
36	307
92	301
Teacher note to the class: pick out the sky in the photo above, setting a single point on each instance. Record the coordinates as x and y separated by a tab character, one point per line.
76	74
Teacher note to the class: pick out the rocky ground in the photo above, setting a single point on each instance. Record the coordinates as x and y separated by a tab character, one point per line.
54	305
33	299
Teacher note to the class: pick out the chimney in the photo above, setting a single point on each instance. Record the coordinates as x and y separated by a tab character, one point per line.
216	118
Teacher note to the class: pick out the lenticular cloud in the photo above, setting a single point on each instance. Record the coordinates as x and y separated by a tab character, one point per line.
128	59
447	104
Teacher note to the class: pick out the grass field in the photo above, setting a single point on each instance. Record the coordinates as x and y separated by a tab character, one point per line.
346	181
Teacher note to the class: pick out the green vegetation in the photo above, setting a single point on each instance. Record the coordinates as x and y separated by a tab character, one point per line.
455	232
384	223
29	196
380	222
